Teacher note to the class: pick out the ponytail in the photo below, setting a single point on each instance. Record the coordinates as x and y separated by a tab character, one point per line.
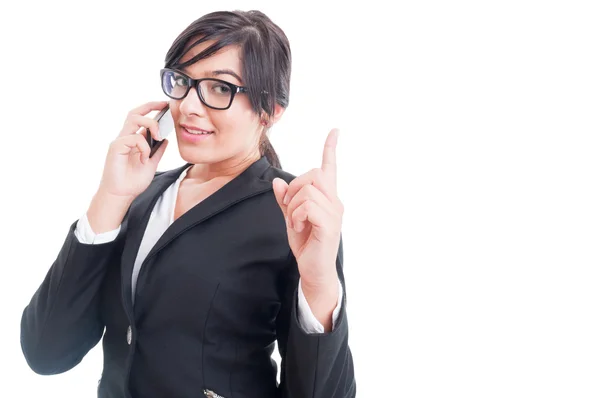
266	149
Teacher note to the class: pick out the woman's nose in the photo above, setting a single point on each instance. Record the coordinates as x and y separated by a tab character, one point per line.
191	104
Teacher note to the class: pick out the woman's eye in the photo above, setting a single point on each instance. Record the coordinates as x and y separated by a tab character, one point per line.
180	81
221	88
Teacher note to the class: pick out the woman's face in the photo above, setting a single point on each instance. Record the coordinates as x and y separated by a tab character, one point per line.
235	132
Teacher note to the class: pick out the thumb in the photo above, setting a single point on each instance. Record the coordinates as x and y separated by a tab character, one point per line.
280	188
159	153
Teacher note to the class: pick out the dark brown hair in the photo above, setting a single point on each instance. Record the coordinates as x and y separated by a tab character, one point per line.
266	59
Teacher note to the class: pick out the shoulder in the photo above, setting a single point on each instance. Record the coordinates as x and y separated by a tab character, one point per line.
273	172
271	209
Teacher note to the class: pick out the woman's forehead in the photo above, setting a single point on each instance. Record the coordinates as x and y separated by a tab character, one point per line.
226	58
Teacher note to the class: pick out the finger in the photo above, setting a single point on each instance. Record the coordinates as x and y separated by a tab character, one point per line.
134	122
310	212
134	144
299	225
308	192
159	153
280	188
314	177
329	164
148	107
141	111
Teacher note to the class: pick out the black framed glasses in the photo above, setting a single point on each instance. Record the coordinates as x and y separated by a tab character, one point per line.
214	93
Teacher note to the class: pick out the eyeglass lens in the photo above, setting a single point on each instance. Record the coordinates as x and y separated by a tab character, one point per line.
213	92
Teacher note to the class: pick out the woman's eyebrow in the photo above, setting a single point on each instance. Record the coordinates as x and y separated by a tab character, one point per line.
226	72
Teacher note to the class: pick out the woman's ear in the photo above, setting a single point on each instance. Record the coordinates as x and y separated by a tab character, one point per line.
264	119
278	113
276	116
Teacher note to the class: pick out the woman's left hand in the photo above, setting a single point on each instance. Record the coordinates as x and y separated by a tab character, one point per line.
313	213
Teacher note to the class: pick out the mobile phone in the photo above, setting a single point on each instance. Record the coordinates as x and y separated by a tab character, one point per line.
165	127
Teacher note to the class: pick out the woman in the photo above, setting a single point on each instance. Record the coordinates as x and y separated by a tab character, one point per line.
191	275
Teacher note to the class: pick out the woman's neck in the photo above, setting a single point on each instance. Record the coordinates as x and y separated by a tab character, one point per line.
227	169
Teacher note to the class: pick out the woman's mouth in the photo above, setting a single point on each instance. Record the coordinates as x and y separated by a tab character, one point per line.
195	135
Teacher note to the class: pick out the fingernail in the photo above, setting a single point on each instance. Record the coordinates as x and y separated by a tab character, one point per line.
286	199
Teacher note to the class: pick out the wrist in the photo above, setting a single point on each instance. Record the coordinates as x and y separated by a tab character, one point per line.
106	211
322	299
325	287
110	197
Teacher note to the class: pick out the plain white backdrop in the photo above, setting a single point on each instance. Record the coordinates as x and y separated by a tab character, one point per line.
468	166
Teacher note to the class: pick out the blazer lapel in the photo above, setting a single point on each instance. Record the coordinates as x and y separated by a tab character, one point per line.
139	215
245	185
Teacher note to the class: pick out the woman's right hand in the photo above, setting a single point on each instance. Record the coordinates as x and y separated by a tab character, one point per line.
128	170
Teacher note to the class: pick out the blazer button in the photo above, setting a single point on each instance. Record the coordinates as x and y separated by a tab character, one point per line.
129	335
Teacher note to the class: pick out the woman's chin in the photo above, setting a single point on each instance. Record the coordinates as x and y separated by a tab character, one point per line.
196	155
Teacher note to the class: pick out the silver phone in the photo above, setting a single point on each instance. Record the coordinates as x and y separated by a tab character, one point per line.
165	127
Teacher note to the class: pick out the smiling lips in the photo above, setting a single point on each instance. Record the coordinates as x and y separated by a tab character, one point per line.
195	134
195	130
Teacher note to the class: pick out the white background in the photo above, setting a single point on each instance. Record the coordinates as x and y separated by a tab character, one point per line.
468	165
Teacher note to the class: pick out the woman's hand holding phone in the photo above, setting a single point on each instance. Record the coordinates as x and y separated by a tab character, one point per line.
129	169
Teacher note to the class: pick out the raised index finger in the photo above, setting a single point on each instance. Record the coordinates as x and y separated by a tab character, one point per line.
329	165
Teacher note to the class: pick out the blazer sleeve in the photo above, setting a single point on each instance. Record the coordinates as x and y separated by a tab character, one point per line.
313	365
62	322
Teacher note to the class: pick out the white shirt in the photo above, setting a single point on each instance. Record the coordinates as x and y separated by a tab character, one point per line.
160	219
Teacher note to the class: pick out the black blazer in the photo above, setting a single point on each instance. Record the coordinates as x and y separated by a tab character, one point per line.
213	295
